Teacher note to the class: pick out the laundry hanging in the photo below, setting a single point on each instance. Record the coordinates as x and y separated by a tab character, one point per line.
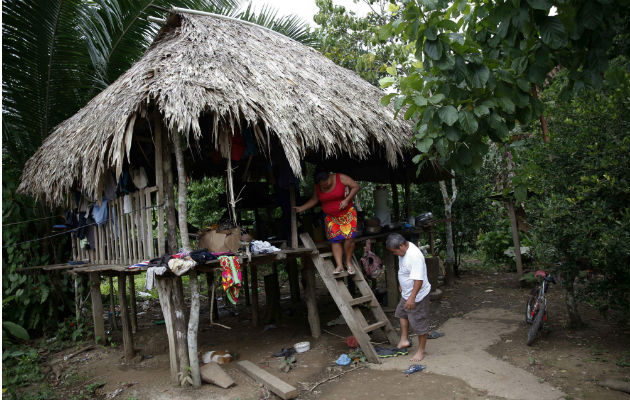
230	277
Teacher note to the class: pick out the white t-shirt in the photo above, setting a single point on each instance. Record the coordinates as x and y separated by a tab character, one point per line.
412	267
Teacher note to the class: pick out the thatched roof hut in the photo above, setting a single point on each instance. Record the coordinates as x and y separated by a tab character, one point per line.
205	76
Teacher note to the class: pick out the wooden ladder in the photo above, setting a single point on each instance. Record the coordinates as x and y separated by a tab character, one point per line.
351	307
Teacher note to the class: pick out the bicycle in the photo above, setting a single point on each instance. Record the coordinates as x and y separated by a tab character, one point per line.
536	310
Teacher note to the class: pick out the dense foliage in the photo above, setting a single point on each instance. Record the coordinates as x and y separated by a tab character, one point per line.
478	66
581	185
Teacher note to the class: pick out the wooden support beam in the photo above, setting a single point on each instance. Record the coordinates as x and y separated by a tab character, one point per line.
294	280
308	272
164	288
391	277
112	309
254	285
272	299
212	305
179	308
294	232
159	181
97	307
193	328
407	199
132	303
169	201
276	385
124	318
182	206
395	201
245	282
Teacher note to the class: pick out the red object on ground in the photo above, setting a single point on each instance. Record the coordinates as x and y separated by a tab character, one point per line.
351	341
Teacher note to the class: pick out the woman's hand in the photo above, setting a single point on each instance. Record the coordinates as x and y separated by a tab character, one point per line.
299	209
344	204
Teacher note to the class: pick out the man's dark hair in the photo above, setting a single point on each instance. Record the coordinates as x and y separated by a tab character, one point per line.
394	241
320	176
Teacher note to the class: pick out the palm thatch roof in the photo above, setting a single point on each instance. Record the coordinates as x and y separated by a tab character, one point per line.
232	73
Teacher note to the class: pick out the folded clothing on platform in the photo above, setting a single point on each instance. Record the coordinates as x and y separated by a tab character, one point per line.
261	247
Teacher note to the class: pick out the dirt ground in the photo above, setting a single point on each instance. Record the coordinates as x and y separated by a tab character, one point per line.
481	316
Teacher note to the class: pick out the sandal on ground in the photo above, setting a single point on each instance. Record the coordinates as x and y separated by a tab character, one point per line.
413	368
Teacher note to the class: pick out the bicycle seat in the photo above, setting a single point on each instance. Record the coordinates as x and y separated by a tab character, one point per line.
540	274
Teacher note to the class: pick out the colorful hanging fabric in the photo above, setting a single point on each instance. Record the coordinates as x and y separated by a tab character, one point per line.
230	277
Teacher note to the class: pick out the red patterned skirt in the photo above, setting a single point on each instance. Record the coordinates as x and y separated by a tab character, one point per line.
342	227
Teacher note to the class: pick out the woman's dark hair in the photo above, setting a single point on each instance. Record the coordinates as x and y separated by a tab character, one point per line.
320	176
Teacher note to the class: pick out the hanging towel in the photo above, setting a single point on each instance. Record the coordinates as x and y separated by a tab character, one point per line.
230	277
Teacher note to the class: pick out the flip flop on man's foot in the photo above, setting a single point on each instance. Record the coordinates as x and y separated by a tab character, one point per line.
401	352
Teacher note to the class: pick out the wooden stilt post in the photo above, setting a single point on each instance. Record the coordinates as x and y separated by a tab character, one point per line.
124	318
407	199
97	307
395	201
294	284
294	232
193	326
391	276
180	325
254	285
214	309
169	201
112	304
164	289
246	285
515	238
132	303
159	181
308	271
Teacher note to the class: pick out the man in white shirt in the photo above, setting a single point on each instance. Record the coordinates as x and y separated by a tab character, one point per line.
413	308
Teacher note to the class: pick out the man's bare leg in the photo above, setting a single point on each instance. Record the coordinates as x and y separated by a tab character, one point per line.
421	345
404	334
337	251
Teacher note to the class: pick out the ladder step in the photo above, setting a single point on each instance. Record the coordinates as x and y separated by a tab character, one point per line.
324	255
341	275
360	300
374	326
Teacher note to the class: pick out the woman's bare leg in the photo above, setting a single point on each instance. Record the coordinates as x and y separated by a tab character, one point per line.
348	246
337	251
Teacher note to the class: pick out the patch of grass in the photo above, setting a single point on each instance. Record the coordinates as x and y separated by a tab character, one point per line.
624	360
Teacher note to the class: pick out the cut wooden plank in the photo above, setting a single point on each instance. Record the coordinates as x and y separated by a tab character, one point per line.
213	373
276	385
374	326
360	300
325	255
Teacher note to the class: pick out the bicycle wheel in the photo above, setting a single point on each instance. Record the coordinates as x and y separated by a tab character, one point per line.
536	325
531	305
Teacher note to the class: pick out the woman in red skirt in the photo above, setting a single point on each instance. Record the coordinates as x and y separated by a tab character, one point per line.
341	216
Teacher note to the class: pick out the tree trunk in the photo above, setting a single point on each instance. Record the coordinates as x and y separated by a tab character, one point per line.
575	321
448	229
193	326
182	207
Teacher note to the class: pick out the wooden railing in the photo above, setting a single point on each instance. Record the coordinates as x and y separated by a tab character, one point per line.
126	238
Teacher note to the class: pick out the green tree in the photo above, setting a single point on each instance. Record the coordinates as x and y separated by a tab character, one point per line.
581	186
479	66
352	41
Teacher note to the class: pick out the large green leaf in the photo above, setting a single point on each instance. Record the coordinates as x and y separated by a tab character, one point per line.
436	98
468	122
15	330
544	5
448	114
552	32
478	75
433	49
